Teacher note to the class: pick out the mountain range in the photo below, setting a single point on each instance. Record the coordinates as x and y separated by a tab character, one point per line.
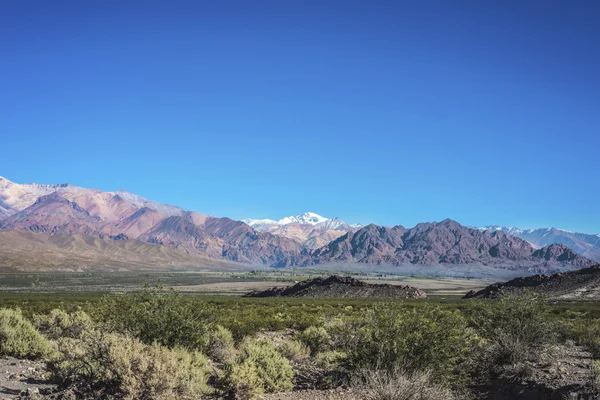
127	231
583	243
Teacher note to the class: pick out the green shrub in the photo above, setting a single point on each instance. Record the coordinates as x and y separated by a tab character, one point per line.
244	381
19	338
221	346
294	350
515	329
59	323
330	359
427	338
586	333
114	365
158	315
316	338
259	368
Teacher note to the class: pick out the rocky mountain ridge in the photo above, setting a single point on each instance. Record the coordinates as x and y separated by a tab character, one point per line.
446	242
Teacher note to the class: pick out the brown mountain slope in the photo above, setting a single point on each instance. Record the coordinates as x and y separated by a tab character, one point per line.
583	284
22	250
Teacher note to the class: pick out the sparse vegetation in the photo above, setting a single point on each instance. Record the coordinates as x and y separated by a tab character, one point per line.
159	344
398	385
111	364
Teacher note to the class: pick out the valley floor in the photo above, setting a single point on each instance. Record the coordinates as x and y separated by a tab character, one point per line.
213	283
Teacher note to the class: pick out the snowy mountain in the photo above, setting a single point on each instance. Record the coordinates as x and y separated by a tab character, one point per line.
309	229
308	218
16	197
585	244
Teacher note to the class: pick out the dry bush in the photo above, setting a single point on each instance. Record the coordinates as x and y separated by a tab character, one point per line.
330	359
396	385
19	338
221	346
58	324
294	350
316	338
112	365
259	368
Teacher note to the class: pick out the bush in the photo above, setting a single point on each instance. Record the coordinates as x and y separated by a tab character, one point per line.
427	338
260	368
587	334
62	324
515	329
113	365
330	359
316	338
395	385
221	346
19	338
294	350
158	315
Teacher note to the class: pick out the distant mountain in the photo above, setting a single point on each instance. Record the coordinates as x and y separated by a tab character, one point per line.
585	244
309	229
305	240
71	210
583	284
21	250
446	242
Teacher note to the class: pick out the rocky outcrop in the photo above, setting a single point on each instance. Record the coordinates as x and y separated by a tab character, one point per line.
341	287
582	284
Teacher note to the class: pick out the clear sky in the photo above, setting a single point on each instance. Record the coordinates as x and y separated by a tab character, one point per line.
389	112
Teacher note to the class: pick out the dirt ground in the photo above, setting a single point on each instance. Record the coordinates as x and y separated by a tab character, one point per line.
22	378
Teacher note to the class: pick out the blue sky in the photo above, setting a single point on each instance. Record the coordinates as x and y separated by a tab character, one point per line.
383	111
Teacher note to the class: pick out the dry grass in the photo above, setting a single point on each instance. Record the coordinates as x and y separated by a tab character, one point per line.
396	385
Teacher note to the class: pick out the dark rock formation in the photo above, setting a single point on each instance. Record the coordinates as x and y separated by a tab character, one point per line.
580	284
341	287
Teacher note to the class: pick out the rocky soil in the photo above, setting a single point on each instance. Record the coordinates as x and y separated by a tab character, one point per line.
565	374
341	287
23	379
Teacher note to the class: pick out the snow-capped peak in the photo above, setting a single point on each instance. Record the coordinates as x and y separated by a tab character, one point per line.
307	218
511	230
